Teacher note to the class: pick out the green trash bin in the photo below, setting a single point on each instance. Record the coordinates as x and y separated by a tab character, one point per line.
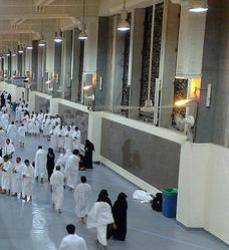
169	202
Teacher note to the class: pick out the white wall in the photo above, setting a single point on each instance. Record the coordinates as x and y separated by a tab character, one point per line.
203	199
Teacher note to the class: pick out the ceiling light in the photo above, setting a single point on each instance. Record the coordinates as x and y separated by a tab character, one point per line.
58	37
198	6
14	54
29	47
42	43
20	50
8	54
83	34
198	10
124	24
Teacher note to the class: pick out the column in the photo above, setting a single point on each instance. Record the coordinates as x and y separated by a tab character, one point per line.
66	64
75	66
34	65
135	63
168	61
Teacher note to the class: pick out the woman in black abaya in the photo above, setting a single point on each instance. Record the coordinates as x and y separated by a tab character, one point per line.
120	217
50	162
89	148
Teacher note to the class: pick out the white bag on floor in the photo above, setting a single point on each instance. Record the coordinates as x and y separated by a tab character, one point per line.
142	196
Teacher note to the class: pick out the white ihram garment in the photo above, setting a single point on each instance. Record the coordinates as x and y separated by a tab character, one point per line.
6	175
21	134
73	242
8	149
27	180
72	170
57	182
82	196
99	217
68	141
16	184
40	163
76	137
12	132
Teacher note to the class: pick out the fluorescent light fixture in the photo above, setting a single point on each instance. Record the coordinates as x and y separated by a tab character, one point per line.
42	43
8	54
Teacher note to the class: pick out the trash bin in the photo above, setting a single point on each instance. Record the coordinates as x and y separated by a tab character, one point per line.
169	203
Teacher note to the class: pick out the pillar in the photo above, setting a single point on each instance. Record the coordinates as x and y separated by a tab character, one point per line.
66	64
34	65
168	61
135	62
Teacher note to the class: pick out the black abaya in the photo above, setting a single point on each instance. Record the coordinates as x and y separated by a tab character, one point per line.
89	148
50	164
120	217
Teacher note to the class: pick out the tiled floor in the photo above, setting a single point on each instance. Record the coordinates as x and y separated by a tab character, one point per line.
35	226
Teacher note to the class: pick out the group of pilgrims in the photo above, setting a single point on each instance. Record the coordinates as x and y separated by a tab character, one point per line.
17	178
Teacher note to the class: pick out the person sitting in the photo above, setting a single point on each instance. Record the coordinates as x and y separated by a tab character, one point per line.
157	203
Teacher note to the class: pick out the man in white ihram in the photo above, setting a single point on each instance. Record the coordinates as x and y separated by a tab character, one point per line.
27	181
40	164
12	132
82	196
57	187
72	169
72	241
8	148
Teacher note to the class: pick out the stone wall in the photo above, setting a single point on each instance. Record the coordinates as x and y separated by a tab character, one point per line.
213	122
79	118
41	104
149	157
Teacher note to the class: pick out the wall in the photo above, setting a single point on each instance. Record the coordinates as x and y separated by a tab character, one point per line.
77	117
41	103
203	199
216	72
149	157
16	92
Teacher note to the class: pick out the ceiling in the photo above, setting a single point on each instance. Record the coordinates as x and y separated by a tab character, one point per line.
24	20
